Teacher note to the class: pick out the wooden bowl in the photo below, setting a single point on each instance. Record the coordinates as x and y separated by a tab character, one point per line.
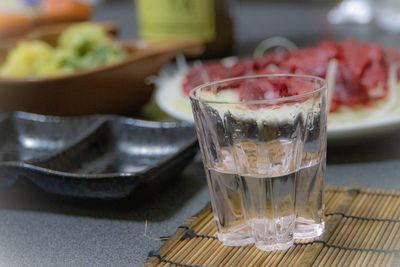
116	89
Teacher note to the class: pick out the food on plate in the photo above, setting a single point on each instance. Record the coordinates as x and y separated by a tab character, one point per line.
65	8
14	21
362	80
80	47
261	89
14	15
17	17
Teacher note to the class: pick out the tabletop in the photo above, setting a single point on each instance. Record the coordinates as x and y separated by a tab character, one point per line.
38	229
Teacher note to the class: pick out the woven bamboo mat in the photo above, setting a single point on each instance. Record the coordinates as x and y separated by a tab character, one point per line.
362	229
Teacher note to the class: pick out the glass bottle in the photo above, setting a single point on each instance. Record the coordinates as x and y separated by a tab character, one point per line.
206	20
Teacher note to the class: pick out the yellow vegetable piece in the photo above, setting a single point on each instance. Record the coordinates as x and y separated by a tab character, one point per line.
83	37
27	59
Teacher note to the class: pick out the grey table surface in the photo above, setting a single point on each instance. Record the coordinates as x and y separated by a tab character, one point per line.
37	229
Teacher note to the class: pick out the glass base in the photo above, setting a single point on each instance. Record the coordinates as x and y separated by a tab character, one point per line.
235	239
276	246
273	234
308	230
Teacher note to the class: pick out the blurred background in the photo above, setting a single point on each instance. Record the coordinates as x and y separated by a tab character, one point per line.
224	27
77	77
253	19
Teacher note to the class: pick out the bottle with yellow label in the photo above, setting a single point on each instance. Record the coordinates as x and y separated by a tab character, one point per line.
206	20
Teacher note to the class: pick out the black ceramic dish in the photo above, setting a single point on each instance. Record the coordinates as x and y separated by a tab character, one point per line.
92	157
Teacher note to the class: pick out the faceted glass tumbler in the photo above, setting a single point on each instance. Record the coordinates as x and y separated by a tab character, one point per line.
261	138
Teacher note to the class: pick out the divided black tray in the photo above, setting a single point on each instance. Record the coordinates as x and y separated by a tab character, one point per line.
92	157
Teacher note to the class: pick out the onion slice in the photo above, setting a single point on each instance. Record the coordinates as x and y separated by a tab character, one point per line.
331	81
392	97
274	42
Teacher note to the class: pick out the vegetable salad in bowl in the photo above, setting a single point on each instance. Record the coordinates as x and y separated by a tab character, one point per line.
82	46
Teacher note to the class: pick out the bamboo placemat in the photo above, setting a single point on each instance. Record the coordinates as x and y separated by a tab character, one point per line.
362	229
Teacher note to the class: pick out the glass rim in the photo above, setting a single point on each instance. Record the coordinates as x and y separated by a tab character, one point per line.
317	90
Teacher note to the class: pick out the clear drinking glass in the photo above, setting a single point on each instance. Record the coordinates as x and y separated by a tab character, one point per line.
261	138
310	179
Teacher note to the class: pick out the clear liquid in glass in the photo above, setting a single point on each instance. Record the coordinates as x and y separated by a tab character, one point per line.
310	200
227	204
254	199
270	209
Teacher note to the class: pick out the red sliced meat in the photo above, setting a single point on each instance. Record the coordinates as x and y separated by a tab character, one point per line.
215	71
355	55
348	90
256	90
297	86
311	61
362	68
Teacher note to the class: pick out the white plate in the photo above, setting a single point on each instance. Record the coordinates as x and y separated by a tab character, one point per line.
172	101
358	132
